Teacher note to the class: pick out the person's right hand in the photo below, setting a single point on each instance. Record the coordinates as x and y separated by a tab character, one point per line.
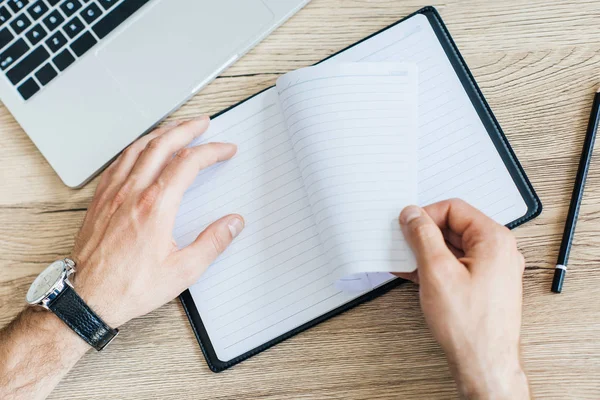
470	275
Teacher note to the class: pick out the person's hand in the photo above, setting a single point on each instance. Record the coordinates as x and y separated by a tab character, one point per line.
127	261
470	274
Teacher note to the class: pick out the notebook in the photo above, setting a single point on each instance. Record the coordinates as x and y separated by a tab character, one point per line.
292	182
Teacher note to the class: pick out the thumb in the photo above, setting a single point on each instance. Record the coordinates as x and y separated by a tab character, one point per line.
425	238
196	257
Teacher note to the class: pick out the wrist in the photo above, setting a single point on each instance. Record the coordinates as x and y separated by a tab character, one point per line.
98	297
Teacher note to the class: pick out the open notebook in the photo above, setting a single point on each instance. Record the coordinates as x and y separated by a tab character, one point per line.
292	181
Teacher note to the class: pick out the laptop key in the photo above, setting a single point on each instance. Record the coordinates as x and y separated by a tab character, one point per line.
56	41
69	7
36	34
73	27
46	74
83	44
53	20
17	5
27	65
38	9
28	89
12	53
5	37
20	23
63	60
53	2
91	13
116	16
4	15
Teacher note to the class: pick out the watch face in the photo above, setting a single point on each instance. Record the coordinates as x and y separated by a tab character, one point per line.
45	282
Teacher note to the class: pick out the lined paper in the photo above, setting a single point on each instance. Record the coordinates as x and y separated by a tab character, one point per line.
275	274
457	158
353	127
275	277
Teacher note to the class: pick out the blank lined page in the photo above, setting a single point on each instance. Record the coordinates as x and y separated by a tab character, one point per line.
456	155
354	132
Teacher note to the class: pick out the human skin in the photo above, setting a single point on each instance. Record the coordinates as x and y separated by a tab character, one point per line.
470	274
470	271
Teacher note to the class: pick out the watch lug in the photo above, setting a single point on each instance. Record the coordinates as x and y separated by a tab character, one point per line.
68	282
70	270
70	264
44	304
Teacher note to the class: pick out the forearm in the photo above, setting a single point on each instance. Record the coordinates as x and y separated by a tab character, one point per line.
493	382
36	351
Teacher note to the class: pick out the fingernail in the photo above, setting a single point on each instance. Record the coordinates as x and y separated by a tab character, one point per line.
235	226
409	213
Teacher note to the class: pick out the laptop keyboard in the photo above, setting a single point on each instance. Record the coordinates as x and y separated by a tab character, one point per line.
39	39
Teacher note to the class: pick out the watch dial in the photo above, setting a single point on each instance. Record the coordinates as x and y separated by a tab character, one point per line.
45	281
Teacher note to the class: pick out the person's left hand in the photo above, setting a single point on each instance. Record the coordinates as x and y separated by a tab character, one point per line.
127	261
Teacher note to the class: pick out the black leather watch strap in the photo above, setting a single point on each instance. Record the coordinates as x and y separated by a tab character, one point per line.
69	307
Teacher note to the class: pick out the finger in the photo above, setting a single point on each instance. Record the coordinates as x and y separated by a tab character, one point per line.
114	176
458	253
180	173
476	230
427	242
160	150
453	238
193	260
99	211
456	215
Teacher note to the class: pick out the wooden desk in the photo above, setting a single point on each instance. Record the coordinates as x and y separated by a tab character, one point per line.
538	63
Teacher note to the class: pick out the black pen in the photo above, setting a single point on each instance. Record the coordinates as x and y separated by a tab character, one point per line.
584	165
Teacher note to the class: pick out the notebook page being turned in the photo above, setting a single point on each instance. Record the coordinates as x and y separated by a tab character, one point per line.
354	132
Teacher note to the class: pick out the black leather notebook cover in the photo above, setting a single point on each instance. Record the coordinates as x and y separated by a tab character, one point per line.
534	206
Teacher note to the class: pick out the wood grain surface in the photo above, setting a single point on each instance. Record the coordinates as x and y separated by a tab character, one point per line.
538	64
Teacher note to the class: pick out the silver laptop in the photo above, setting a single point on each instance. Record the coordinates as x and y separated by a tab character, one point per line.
85	78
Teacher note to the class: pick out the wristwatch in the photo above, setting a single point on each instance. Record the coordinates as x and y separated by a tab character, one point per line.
53	290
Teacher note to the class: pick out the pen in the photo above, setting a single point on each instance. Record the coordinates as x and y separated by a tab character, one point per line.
584	164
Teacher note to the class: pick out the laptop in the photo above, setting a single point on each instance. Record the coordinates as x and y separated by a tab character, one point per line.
85	78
